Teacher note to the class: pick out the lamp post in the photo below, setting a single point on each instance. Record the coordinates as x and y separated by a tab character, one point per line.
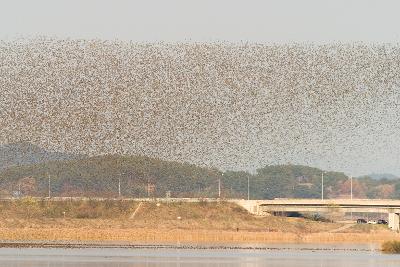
351	194
119	186
219	186
351	187
148	188
248	188
49	186
322	186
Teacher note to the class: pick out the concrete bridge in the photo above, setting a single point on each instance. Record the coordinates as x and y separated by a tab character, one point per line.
391	207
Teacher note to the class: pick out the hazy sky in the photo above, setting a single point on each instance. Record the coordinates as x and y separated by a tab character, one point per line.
205	20
354	125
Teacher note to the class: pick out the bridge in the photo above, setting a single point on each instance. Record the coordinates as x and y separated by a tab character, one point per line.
262	207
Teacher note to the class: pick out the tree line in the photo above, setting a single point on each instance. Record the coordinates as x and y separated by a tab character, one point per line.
139	176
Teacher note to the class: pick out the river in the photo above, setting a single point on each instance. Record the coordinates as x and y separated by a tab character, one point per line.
273	256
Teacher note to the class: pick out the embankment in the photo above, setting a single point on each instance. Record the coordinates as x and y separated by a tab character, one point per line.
112	221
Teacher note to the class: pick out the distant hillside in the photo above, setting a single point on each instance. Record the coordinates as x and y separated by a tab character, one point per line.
378	176
141	176
24	153
299	181
98	176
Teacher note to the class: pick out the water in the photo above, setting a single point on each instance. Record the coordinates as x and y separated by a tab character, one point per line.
277	256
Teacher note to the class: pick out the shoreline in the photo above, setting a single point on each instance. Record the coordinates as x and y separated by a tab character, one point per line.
188	246
32	236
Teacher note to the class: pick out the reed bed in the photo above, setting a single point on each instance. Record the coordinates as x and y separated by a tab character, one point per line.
392	246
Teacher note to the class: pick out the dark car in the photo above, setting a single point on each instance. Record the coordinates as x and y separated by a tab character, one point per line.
361	221
382	222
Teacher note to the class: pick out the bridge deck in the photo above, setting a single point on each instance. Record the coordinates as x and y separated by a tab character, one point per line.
333	202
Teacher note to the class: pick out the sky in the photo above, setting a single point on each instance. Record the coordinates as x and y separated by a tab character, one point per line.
261	21
352	125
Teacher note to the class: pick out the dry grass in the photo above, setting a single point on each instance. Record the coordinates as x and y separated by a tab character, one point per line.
391	247
367	228
29	208
198	223
186	236
115	214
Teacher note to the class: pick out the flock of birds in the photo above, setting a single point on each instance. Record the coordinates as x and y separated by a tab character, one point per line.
231	106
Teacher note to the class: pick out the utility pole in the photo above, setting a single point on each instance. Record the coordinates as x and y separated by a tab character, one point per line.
322	186
351	194
49	186
219	187
351	187
148	187
248	188
119	186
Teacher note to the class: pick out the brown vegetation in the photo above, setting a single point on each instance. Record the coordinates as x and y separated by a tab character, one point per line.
391	247
90	220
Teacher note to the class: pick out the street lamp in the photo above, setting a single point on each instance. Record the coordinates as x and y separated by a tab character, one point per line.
351	187
219	186
119	185
322	186
248	188
49	185
351	194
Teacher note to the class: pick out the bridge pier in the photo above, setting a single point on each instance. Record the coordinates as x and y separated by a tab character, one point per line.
394	221
251	206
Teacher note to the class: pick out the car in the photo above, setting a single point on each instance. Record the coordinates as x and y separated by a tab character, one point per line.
372	222
361	221
381	221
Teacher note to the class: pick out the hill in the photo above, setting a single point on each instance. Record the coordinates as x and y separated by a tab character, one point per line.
141	176
144	176
24	153
99	176
281	181
379	176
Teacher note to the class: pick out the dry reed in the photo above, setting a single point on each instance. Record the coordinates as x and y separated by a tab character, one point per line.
391	247
187	236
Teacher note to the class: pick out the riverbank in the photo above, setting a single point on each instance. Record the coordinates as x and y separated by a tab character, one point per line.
247	246
157	236
173	223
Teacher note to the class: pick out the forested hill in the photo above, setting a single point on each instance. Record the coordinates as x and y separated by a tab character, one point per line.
378	176
99	176
24	153
143	176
